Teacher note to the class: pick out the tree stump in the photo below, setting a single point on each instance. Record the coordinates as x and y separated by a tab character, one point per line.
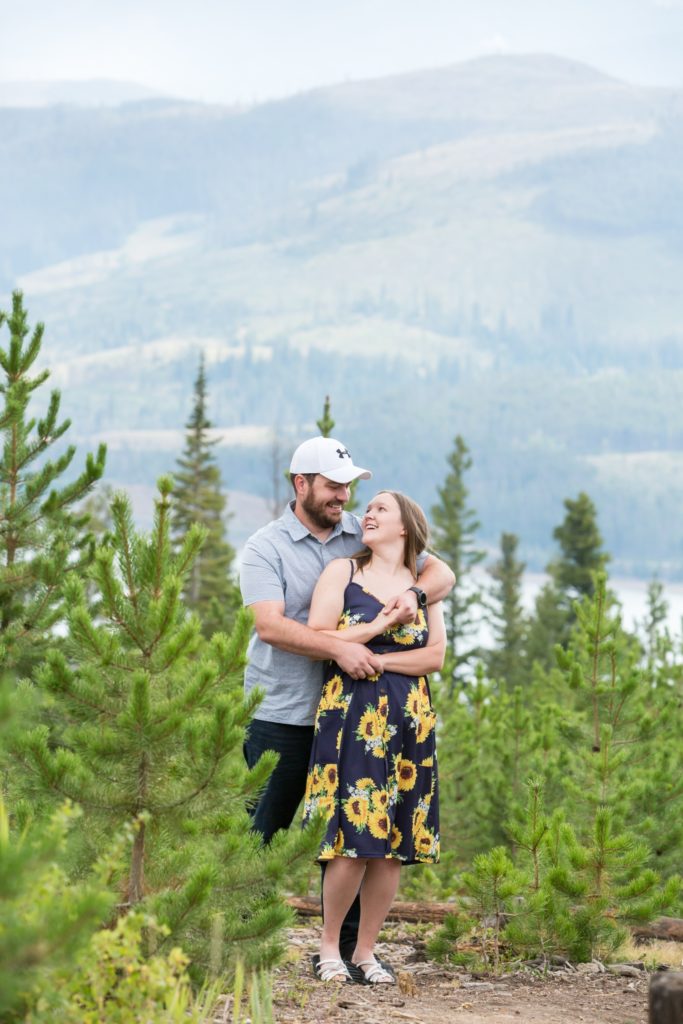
666	998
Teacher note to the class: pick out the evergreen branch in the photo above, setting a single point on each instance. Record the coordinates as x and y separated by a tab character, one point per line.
16	578
37	612
123	527
94	469
165	611
183	641
192	896
192	545
192	695
219	754
162	505
112	596
56	676
36	486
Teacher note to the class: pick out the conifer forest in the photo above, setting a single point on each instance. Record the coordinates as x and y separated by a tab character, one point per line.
131	886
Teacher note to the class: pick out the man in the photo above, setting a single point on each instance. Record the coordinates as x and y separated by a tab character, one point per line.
280	567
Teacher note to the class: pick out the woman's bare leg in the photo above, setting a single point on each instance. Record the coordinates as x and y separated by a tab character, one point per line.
343	877
376	896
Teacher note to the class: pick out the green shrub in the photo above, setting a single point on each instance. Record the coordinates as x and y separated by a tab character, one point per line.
114	981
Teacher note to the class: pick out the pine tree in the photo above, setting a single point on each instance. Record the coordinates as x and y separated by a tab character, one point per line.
581	554
572	576
155	719
455	527
654	623
209	588
326	425
605	760
506	661
607	878
42	538
491	886
488	744
548	626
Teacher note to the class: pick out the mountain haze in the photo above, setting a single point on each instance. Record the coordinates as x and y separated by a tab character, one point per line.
494	248
99	92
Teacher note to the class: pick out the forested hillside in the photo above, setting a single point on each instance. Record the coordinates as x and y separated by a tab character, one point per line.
492	249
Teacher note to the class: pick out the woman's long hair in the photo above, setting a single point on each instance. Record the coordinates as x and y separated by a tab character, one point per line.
417	533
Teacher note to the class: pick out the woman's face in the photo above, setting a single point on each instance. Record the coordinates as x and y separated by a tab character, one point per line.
382	520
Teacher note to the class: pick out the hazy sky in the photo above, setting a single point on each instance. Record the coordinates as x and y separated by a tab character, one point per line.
246	50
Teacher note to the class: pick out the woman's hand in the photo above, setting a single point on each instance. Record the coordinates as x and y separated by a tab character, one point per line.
402	609
384	620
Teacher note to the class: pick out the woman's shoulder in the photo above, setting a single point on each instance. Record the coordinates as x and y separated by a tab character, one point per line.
339	568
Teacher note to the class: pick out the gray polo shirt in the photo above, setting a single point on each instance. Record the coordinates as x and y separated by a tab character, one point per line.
282	562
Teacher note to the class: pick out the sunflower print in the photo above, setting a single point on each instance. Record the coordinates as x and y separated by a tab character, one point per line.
410	635
357	808
373	769
374	730
348	618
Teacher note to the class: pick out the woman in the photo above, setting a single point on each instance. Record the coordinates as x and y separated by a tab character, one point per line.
373	764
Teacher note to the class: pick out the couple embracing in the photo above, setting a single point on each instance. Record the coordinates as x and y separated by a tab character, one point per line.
348	623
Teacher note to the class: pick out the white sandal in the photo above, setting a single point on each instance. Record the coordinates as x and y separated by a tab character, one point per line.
331	969
375	974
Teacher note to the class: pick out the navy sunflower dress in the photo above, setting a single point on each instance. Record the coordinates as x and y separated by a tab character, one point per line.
373	770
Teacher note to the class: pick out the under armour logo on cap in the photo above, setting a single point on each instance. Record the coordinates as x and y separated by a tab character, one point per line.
325	456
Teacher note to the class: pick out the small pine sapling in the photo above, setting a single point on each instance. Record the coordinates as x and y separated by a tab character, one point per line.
42	538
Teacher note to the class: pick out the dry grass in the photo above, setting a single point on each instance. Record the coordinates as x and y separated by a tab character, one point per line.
653	954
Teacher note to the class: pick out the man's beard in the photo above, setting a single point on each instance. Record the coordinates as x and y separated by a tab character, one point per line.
318	511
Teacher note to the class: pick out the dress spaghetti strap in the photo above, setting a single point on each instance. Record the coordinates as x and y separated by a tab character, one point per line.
353	569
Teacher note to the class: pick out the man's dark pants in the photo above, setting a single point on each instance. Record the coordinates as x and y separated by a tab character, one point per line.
279	801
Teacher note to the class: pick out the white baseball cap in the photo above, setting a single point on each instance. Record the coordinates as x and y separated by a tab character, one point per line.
329	458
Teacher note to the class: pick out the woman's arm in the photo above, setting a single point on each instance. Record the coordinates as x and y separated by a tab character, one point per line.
327	605
424	659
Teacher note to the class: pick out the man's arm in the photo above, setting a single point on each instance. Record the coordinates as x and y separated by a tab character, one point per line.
422	660
262	589
436	579
274	628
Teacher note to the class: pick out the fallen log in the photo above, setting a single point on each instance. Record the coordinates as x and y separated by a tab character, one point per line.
667	928
306	906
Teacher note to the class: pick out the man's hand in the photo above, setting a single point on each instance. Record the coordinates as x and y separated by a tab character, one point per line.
401	609
357	661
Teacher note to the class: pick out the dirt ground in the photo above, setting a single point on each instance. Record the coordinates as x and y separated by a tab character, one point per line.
429	993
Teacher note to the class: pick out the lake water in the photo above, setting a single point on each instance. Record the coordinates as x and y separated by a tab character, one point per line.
631	593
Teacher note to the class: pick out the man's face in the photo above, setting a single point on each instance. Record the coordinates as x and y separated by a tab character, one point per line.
323	501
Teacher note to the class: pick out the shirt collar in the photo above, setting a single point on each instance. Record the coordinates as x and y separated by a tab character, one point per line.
297	531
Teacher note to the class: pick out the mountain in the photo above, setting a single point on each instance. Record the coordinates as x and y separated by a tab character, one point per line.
493	249
99	92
